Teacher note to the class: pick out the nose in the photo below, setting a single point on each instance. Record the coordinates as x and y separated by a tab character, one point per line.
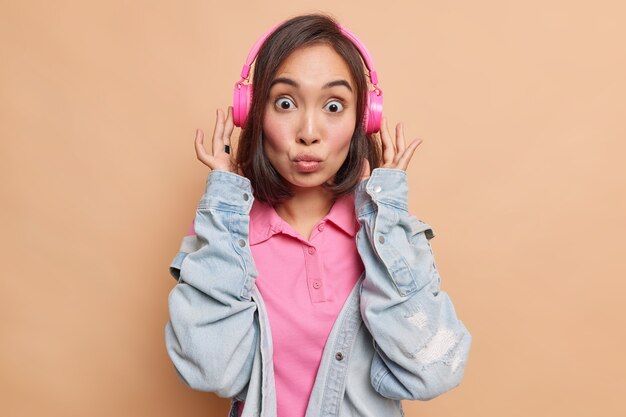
309	132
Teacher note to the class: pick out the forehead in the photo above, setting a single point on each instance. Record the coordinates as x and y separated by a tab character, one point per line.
315	63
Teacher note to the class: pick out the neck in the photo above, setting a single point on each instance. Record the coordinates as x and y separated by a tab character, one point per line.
306	208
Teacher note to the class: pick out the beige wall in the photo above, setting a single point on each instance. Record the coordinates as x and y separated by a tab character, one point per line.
521	107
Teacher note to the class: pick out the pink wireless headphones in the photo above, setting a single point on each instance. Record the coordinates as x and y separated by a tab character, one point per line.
243	92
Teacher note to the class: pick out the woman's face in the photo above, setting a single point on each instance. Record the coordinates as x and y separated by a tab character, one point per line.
310	116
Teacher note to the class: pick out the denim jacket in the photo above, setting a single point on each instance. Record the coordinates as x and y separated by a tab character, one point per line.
397	336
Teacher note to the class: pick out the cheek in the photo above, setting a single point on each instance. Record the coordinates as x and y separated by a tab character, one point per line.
342	134
271	147
340	141
272	132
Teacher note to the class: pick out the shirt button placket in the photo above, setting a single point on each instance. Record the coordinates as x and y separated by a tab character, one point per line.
314	275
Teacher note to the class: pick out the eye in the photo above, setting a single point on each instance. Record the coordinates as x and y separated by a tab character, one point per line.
335	106
284	103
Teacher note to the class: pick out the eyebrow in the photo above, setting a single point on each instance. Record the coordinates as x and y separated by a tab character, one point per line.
292	83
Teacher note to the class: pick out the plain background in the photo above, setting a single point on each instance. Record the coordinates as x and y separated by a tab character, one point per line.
521	108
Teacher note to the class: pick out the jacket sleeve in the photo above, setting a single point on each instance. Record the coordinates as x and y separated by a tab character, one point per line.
212	332
421	347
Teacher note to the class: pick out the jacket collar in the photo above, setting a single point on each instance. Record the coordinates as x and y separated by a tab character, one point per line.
265	222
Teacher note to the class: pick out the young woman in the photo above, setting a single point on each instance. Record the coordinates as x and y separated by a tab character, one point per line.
304	286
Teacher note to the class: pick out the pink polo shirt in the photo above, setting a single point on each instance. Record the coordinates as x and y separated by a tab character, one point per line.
304	285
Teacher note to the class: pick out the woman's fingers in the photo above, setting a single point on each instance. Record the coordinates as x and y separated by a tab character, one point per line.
403	163
220	160
389	150
400	138
228	129
201	153
218	132
396	154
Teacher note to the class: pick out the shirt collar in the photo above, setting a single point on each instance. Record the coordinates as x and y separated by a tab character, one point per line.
265	222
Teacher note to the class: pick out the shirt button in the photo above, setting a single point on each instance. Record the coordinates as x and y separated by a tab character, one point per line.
320	227
311	250
377	189
381	239
317	284
339	356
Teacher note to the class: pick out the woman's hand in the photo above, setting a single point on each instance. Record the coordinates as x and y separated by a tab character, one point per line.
395	156
220	160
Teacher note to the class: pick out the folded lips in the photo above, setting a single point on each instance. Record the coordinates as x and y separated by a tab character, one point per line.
308	158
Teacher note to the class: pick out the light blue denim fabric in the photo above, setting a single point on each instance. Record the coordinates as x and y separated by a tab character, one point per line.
397	336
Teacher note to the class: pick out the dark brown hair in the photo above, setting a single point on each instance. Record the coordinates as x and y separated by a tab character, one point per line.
298	32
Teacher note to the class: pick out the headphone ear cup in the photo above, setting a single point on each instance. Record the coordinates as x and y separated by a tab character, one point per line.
242	99
373	113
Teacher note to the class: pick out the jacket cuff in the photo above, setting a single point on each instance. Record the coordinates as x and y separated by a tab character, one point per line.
225	190
386	186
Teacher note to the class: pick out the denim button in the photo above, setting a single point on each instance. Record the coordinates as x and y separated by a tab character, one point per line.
377	189
381	239
339	356
245	196
242	243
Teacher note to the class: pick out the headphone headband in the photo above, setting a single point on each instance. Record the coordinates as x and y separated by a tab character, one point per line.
369	62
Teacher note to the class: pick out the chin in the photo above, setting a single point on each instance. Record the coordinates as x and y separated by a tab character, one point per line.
308	179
